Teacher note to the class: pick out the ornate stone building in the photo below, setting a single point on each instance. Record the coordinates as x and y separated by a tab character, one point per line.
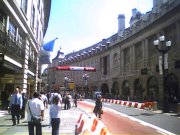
127	63
23	24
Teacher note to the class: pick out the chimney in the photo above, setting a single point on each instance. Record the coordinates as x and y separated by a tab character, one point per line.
156	5
121	24
134	11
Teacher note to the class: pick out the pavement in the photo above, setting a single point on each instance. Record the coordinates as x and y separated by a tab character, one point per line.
68	122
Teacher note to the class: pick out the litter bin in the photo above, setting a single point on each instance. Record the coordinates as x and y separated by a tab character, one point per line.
155	106
178	108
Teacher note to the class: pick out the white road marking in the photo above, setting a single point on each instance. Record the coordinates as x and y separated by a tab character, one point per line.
107	104
161	132
3	113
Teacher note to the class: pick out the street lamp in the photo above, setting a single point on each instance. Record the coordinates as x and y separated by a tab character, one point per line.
163	47
85	77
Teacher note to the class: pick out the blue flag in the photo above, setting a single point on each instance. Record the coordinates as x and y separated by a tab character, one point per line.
49	46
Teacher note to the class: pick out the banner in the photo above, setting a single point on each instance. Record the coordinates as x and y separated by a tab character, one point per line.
160	65
166	61
73	68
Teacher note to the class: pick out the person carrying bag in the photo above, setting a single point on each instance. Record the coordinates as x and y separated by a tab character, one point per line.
98	107
35	113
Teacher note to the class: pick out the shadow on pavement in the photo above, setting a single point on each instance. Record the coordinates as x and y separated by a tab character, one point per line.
147	114
45	125
6	125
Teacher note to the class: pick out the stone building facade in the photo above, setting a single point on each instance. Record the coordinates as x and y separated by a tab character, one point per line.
23	24
127	63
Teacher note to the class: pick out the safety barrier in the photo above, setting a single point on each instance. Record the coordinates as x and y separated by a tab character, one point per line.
145	105
90	126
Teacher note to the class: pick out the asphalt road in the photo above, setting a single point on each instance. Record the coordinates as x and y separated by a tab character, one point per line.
126	120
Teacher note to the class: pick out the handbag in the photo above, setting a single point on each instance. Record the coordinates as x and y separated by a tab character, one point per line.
101	111
34	119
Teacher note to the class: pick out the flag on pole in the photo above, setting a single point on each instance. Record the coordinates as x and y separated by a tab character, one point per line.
45	52
49	45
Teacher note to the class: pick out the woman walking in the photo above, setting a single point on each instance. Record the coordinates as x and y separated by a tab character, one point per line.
54	113
98	107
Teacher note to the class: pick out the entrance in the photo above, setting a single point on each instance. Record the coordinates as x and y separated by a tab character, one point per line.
138	90
125	90
171	86
152	89
104	90
115	89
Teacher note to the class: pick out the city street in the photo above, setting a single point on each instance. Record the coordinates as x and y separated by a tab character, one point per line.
118	120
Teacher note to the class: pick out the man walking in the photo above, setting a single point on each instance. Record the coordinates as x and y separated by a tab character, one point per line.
16	105
35	107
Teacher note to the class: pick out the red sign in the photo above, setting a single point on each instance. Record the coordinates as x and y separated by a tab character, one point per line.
71	68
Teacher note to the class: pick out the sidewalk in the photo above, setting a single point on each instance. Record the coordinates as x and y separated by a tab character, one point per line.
67	126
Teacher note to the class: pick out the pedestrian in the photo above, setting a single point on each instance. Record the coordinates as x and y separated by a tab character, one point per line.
75	99
24	98
66	101
44	99
16	103
35	107
55	94
54	114
98	107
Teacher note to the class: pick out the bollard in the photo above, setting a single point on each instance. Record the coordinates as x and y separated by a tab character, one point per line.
80	127
94	125
178	108
103	131
154	107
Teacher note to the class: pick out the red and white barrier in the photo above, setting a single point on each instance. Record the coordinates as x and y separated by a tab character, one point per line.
146	105
90	126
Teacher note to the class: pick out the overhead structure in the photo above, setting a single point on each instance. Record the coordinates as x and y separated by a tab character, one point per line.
73	68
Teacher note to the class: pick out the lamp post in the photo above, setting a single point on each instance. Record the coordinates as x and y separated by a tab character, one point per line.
163	47
85	77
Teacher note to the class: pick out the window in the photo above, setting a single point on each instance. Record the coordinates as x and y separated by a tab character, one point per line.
115	58
2	21
170	34
31	54
138	51
151	48
38	4
24	6
105	64
127	56
19	41
37	30
12	31
32	17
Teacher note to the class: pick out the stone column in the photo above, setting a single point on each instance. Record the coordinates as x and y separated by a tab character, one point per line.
25	66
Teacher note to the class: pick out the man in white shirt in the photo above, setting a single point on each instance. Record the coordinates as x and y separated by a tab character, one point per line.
35	107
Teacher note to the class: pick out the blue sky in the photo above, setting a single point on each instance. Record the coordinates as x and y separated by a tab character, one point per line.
82	23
